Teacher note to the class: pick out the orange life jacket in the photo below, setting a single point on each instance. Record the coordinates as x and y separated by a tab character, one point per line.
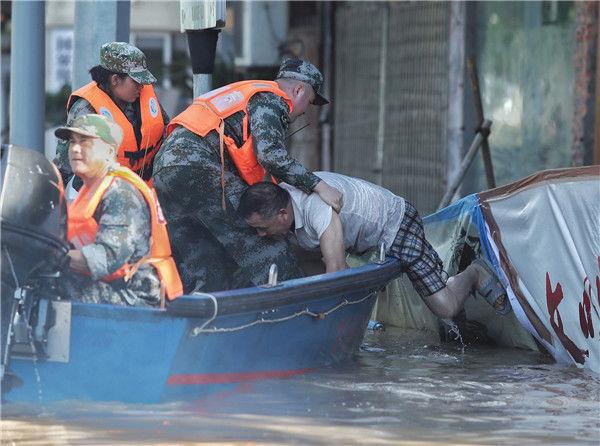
208	112
130	154
82	230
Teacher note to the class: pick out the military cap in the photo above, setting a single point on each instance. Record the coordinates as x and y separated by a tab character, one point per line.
122	57
94	126
301	70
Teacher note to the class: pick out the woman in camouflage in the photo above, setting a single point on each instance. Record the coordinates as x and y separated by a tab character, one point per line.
121	89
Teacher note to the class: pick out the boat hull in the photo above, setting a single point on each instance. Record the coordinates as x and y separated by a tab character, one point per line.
190	350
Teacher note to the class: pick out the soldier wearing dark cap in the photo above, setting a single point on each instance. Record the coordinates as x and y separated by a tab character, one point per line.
121	89
227	139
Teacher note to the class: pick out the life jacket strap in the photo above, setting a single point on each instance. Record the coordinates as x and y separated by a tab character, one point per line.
135	155
222	154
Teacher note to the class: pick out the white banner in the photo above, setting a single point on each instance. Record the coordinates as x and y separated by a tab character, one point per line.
547	232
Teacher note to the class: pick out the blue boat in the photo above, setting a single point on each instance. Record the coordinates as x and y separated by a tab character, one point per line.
56	349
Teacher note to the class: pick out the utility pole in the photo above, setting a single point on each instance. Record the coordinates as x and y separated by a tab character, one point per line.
202	21
456	90
27	86
95	24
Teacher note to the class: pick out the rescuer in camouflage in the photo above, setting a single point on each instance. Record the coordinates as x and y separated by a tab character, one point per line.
123	235
293	68
215	249
115	58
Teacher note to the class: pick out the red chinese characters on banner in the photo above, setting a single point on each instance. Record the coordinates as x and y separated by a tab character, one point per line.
585	313
586	306
553	299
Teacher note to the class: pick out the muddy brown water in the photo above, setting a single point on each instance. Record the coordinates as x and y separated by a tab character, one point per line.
402	388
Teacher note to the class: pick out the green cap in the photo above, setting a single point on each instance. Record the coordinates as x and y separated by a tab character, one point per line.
301	70
121	57
94	126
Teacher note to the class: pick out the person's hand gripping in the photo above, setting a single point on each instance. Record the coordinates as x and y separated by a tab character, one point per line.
330	195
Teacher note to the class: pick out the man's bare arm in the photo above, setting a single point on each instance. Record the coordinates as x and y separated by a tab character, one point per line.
332	245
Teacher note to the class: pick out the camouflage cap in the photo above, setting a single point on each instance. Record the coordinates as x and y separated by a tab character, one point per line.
94	126
301	70
122	57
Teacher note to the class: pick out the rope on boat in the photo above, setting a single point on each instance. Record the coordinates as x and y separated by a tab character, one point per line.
215	306
12	268
306	312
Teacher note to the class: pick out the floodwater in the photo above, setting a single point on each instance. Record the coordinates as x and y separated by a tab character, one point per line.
401	389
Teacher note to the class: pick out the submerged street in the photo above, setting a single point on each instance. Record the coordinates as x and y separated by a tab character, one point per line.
402	388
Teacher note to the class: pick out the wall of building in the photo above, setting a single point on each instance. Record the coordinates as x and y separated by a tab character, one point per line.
391	91
304	41
390	101
389	122
146	15
525	54
586	122
155	16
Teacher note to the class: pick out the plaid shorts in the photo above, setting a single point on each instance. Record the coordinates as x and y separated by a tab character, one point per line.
417	257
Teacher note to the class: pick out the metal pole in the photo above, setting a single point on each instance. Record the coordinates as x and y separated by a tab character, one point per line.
27	86
202	83
485	149
167	58
95	24
480	137
203	45
123	20
325	114
456	92
378	170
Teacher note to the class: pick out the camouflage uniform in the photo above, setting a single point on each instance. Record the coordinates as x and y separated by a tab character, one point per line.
215	249
118	57
123	236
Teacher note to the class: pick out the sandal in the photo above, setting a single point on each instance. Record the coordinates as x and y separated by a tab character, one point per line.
493	291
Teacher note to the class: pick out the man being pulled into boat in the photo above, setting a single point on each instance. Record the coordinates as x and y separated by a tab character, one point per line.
120	252
371	215
227	139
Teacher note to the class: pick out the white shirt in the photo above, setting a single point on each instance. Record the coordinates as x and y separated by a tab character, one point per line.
370	214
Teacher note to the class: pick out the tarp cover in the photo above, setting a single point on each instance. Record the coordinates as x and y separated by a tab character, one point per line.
455	233
542	234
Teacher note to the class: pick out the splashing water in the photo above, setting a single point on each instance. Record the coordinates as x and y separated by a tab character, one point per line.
34	358
456	332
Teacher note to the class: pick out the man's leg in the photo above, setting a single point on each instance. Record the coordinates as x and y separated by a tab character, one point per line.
425	269
203	263
447	302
